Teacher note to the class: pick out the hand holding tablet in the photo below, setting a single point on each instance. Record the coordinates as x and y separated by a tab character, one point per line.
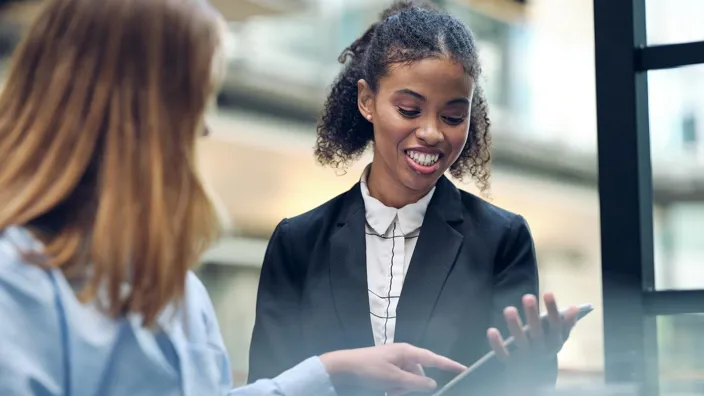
542	337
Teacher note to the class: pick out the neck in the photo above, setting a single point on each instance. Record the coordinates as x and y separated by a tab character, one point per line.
390	191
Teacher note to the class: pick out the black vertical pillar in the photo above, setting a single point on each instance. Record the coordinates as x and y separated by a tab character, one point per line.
625	186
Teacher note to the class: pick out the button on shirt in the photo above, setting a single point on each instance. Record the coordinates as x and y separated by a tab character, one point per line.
391	236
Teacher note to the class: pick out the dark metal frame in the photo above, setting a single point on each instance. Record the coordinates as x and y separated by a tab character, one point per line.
630	300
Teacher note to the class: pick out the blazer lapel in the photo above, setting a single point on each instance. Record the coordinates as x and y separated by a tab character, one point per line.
348	272
433	258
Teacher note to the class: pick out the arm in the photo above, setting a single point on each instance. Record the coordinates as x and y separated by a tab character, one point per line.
392	368
309	378
277	324
517	275
30	327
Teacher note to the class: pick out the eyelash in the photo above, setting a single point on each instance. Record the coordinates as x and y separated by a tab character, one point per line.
413	113
408	113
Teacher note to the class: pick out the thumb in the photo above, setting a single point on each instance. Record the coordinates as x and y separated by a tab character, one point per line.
410	382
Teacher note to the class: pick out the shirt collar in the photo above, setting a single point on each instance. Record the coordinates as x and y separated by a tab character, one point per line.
380	217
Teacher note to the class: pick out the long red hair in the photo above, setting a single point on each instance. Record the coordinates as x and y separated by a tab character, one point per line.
99	117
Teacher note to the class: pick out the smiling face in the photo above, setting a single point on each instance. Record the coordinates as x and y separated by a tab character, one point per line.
420	112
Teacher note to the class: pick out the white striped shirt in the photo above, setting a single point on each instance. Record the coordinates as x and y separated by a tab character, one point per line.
391	236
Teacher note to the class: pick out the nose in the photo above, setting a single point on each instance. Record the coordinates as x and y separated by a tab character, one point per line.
430	134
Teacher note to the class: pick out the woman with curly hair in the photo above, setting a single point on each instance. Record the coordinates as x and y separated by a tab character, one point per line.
405	256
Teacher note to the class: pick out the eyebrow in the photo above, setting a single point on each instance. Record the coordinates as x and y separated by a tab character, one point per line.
415	94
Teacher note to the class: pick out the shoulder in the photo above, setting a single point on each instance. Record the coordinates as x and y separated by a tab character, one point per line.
506	233
491	215
29	296
20	279
198	302
196	293
296	238
305	229
503	233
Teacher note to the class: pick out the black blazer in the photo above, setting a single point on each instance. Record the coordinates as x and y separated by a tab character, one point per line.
472	260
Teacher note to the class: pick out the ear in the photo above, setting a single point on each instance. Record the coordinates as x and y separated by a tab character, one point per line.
365	100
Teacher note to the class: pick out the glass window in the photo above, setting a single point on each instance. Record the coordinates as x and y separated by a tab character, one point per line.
679	349
679	246
674	21
676	105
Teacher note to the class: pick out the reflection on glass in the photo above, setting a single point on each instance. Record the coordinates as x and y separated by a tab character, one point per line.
679	243
676	101
680	345
676	105
674	21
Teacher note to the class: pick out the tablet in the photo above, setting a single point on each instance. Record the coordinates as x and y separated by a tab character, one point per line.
584	310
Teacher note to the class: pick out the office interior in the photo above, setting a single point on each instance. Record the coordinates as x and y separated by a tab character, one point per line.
541	80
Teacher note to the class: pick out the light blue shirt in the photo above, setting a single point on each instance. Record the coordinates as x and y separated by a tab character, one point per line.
51	344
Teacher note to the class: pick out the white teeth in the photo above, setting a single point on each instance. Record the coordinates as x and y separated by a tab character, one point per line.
424	159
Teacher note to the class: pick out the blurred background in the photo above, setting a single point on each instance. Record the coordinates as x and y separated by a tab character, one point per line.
538	58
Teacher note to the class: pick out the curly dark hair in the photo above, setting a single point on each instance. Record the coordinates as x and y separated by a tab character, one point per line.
409	31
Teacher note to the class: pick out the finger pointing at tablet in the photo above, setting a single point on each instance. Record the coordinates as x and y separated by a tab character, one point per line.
394	368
